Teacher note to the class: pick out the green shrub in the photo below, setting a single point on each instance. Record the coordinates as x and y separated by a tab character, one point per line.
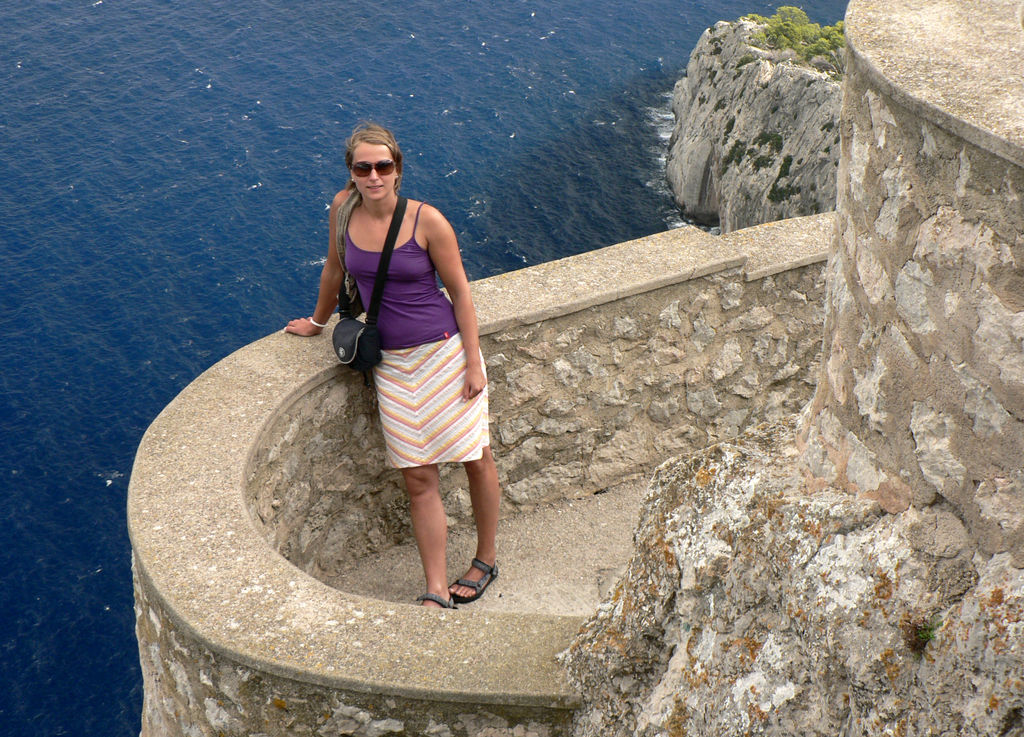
784	169
737	152
773	139
777	193
728	128
790	28
735	155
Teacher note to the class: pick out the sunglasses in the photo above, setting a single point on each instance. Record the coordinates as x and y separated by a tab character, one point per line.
363	168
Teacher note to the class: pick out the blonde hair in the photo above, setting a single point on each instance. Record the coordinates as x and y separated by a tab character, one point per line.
376	135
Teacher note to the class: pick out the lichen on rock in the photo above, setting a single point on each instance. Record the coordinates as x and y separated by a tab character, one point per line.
757	605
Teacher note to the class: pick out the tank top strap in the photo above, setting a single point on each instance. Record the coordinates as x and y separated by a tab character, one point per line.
416	222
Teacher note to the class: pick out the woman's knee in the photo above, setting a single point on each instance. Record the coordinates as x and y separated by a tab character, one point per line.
421	480
483	465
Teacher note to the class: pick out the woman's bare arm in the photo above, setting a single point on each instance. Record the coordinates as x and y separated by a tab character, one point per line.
330	280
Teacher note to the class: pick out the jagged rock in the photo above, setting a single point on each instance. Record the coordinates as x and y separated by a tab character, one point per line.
756	137
756	605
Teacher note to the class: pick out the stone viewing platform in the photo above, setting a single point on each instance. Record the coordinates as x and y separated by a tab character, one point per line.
824	460
560	559
250	493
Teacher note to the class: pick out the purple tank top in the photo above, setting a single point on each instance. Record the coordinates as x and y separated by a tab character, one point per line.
413	310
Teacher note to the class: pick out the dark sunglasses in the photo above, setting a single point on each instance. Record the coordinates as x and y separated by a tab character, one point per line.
363	168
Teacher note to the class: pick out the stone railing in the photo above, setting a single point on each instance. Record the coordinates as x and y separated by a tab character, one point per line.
266	472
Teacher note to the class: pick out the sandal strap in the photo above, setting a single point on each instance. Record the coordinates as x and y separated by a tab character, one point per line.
475	585
490	573
481	566
447	604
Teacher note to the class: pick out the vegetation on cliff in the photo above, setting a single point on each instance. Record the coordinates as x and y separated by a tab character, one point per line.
790	28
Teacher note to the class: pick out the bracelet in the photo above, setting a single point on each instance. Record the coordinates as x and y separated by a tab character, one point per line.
316	323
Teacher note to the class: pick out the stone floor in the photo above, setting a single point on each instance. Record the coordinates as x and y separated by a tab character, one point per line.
557	559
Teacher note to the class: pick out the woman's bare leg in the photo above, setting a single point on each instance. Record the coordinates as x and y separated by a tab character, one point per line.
485	495
429	525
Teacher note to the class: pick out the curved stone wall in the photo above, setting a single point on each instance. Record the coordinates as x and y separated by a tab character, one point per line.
921	393
265	474
631	354
235	640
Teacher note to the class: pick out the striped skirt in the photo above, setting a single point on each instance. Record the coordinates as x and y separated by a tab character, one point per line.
419	395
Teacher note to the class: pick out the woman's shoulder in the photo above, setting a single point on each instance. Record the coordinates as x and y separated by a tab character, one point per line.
427	213
433	228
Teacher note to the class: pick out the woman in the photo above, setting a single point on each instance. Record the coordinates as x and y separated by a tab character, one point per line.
431	384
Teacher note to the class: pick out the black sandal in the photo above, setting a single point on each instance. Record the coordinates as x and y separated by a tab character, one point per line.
479	587
449	604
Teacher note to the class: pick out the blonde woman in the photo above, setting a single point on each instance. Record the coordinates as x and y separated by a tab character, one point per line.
431	384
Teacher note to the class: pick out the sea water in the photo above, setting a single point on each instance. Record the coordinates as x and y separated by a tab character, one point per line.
165	172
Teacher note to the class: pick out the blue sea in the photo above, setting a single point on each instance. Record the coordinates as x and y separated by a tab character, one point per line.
165	172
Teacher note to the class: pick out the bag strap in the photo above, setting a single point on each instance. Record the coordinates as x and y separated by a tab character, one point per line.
385	260
344	306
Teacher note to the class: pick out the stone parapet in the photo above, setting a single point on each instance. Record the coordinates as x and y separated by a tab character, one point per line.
954	63
266	471
600	366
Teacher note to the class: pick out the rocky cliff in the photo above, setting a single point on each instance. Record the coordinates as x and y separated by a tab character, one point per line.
756	136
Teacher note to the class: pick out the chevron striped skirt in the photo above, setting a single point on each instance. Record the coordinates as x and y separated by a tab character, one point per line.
419	395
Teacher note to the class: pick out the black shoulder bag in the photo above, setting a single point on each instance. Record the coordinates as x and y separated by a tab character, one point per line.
356	343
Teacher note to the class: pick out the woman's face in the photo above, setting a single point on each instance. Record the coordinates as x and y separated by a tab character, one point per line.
373	184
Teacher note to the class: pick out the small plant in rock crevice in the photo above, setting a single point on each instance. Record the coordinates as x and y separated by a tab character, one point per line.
919	631
779	193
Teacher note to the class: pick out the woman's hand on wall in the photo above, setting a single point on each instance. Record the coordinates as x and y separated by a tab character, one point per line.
303	326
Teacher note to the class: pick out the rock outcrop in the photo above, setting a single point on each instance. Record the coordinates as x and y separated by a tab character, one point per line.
758	606
756	136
